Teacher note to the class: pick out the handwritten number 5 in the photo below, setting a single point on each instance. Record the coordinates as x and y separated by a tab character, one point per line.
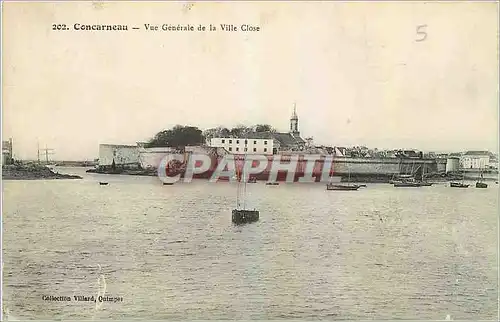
421	33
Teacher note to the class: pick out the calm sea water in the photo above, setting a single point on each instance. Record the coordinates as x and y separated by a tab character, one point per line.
171	252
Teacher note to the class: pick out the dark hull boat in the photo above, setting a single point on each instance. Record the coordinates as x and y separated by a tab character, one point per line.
342	187
244	216
407	184
423	182
168	183
458	185
103	183
241	215
272	183
481	185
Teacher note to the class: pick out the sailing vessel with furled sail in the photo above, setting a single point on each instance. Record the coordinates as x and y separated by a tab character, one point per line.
242	215
407	181
424	182
459	184
480	183
343	187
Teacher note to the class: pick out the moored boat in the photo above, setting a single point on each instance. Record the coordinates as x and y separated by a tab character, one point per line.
242	215
342	187
458	185
481	185
423	182
407	184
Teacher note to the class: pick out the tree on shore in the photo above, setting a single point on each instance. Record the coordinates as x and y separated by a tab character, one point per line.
219	131
177	137
181	136
240	131
237	131
264	128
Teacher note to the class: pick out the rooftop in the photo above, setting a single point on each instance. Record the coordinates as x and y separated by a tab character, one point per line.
485	153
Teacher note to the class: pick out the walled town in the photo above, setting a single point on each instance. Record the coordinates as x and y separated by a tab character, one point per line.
360	163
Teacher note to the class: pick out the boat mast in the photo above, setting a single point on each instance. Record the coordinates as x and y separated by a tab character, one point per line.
245	184
237	188
348	171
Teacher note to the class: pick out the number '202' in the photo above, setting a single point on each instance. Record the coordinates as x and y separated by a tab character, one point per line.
59	27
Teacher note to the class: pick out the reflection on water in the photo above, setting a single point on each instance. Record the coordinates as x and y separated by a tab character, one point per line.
171	252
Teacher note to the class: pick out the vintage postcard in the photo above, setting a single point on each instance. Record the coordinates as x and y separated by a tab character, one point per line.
250	160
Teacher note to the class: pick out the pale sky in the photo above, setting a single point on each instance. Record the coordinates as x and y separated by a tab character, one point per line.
355	71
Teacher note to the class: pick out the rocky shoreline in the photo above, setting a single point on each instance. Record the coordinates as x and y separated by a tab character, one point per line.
32	172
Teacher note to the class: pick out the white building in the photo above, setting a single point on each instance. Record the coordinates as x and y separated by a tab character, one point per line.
120	154
264	142
475	160
244	145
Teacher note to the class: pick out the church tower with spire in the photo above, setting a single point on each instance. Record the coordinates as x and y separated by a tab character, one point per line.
294	123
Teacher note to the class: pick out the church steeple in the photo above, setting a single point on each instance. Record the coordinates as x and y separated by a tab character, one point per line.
294	122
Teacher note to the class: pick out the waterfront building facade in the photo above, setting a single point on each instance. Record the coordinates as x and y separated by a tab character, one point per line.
475	160
244	145
266	143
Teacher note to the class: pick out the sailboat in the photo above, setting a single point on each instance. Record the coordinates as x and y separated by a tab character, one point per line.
241	215
459	184
480	183
408	180
343	187
423	182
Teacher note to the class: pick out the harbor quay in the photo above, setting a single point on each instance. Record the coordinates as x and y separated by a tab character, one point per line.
133	160
285	156
291	168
